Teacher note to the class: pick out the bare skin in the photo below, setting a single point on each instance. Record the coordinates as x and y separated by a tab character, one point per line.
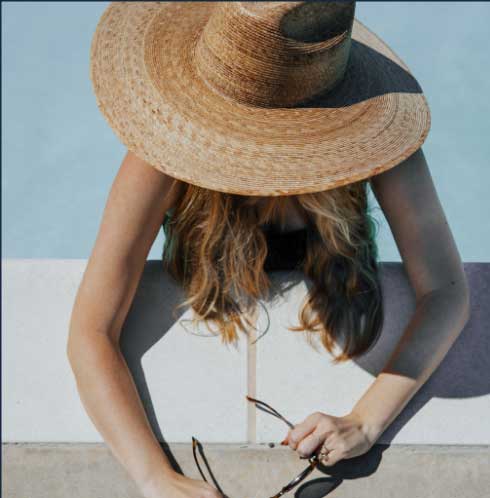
138	200
408	198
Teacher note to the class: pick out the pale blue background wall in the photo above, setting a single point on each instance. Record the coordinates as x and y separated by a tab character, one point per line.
59	156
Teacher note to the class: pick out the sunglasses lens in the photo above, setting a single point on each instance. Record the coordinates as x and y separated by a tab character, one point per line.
317	488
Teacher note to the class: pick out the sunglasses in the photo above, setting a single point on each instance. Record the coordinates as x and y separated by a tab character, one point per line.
313	460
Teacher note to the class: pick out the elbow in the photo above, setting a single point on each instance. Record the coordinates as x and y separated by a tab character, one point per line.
464	298
79	357
466	306
72	349
75	334
76	342
82	345
460	297
451	300
87	346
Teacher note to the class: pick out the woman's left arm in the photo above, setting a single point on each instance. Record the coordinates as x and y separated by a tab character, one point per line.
407	196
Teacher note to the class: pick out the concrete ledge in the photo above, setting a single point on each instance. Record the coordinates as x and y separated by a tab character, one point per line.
253	470
172	365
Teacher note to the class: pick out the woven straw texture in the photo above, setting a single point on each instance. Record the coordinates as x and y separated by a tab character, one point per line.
211	94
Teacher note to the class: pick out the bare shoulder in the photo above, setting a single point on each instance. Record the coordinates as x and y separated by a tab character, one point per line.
139	197
406	173
143	175
408	189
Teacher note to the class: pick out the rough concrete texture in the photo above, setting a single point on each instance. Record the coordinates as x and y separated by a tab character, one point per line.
252	471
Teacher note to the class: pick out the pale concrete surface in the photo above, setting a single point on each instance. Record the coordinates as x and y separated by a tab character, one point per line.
179	374
453	407
253	471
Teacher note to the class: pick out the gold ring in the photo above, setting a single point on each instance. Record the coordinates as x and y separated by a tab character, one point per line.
323	455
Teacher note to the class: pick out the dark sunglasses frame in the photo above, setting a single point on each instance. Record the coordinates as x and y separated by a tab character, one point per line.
268	409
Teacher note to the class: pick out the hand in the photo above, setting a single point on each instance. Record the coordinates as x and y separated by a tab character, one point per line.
176	485
345	437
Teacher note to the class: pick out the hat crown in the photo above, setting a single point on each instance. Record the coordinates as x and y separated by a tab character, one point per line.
275	53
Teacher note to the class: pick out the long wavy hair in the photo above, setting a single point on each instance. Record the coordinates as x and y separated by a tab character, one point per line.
215	247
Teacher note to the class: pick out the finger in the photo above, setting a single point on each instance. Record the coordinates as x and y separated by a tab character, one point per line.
309	444
300	431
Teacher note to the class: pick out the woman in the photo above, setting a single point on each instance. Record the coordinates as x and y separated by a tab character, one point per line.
222	225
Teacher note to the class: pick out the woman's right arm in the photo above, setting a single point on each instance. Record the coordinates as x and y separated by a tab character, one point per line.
133	214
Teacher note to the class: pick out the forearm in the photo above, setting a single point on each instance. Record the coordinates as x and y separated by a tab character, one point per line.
436	323
110	397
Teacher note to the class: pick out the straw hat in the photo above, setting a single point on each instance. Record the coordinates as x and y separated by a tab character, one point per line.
255	98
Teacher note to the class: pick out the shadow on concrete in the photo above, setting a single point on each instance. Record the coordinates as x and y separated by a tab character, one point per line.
352	468
150	317
463	372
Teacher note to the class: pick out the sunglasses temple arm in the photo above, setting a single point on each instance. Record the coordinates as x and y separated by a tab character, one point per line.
273	411
285	420
194	449
297	480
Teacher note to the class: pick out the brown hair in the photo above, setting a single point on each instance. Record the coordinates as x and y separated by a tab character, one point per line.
215	248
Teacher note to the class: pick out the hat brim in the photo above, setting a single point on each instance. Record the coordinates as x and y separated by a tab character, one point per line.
147	88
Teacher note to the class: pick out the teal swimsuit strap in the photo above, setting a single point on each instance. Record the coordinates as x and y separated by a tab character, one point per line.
166	220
